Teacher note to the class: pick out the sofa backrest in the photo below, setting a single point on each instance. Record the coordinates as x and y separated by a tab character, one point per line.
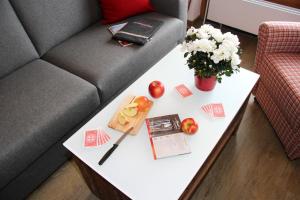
49	22
16	48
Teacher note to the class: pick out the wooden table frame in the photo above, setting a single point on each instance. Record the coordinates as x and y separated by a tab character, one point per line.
106	191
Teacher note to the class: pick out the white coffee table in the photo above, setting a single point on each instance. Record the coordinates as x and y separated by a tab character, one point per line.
131	172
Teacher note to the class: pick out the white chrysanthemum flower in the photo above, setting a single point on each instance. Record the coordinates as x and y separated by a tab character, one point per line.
235	60
204	45
217	56
187	47
191	31
227	51
191	47
206	28
217	35
229	46
232	38
224	52
202	34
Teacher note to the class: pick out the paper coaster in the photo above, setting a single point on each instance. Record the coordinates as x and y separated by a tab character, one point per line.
214	110
96	137
183	90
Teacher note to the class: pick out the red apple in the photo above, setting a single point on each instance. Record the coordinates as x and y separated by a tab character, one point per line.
189	126
156	89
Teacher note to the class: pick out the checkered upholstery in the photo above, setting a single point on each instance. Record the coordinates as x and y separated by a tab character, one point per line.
278	37
289	138
280	72
278	91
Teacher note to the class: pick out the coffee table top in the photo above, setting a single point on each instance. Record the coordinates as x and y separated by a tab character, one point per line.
131	168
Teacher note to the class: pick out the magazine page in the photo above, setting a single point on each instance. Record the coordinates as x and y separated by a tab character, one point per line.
166	137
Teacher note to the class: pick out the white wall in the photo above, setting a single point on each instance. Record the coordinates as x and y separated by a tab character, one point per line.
194	11
246	15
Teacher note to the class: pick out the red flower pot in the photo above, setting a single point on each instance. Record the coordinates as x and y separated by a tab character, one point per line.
205	84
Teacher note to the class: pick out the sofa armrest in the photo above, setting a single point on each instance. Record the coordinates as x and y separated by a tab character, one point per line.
174	8
277	37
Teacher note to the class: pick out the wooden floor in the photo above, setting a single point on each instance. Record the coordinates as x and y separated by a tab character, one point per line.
253	165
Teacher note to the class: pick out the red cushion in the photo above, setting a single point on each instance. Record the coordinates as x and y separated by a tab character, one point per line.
116	10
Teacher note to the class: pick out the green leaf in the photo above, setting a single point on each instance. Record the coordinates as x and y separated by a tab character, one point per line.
228	73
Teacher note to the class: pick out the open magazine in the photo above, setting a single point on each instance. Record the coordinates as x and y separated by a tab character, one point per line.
166	137
114	29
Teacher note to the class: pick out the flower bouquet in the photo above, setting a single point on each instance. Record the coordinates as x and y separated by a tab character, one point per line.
211	53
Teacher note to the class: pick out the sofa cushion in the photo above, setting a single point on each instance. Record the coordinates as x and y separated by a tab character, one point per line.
16	48
50	22
116	10
281	74
94	56
39	104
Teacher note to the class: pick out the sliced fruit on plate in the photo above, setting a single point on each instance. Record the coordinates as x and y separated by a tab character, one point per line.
122	119
130	111
131	105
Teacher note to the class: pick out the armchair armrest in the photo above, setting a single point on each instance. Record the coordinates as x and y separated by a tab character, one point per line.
277	37
173	8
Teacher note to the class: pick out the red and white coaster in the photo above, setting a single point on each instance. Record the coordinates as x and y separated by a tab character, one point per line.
103	137
218	110
214	110
97	137
90	138
183	90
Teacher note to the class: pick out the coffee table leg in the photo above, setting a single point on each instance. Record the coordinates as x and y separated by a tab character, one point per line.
98	185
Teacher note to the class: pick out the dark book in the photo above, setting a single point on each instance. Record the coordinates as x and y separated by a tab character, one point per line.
138	31
114	29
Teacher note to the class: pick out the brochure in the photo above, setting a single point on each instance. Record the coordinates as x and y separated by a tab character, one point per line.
166	137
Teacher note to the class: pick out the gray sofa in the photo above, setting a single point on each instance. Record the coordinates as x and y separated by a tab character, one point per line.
58	67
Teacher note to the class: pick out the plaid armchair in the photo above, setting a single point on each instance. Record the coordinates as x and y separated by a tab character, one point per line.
278	91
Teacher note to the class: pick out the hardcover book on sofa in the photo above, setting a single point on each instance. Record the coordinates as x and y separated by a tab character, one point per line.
114	29
138	31
166	137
